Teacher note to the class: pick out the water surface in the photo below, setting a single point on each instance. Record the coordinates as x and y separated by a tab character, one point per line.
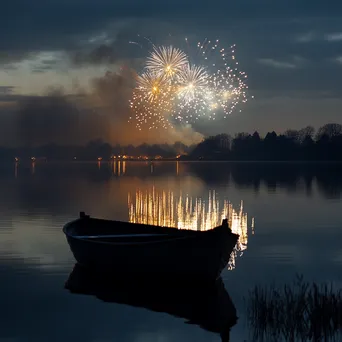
288	216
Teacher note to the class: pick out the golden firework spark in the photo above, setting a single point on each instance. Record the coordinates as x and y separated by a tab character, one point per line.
166	61
152	85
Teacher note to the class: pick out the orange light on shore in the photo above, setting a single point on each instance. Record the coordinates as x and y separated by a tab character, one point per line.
33	159
16	159
99	158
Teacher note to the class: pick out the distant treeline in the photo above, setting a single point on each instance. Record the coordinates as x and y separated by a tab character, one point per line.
303	144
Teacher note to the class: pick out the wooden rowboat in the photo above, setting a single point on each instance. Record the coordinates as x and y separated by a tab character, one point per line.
138	248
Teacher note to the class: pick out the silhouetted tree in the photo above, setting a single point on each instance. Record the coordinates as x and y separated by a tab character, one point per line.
293	135
330	130
305	132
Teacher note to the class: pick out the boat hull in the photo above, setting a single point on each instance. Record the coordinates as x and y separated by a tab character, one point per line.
186	253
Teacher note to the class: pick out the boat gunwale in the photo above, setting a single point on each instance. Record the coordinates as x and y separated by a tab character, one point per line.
75	237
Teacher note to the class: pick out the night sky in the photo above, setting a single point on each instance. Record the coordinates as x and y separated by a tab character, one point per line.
291	51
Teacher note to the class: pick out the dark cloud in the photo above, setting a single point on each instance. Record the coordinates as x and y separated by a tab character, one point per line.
105	54
54	25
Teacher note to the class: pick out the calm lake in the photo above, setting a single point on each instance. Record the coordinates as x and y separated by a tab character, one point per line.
288	216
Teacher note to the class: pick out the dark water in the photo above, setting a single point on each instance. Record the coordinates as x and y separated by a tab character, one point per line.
289	217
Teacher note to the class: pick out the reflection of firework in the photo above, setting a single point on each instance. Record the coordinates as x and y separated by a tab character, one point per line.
199	86
165	209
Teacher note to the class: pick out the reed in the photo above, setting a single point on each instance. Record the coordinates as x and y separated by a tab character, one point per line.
300	311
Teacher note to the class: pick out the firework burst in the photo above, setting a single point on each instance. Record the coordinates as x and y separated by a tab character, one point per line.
151	100
152	85
179	87
192	80
225	84
166	61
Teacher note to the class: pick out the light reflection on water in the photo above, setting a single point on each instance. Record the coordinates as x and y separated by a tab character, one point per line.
119	168
165	208
298	213
35	241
